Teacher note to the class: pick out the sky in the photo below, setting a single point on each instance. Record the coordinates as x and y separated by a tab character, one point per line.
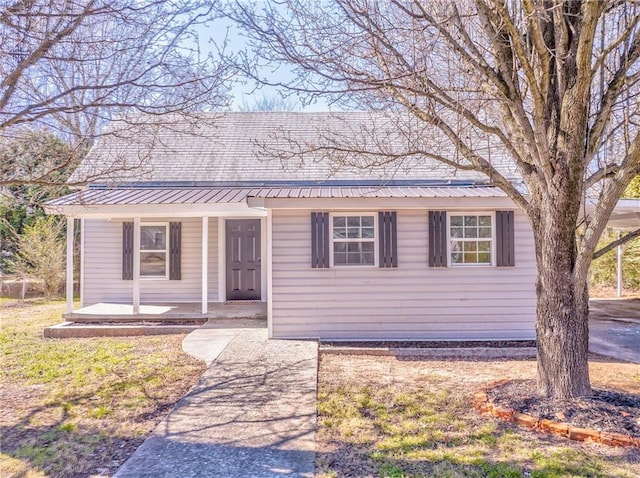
247	92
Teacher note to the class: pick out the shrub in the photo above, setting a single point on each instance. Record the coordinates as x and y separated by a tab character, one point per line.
40	254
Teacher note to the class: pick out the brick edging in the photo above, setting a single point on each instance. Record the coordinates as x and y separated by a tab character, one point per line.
482	403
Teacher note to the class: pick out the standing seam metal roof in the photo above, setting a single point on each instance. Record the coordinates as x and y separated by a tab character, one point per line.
237	195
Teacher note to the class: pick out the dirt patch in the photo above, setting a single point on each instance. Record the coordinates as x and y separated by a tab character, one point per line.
606	410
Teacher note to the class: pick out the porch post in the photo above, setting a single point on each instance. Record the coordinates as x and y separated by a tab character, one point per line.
269	255
222	271
205	263
136	265
619	271
82	263
69	287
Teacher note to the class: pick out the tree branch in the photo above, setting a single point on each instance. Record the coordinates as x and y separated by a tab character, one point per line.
618	242
605	172
610	96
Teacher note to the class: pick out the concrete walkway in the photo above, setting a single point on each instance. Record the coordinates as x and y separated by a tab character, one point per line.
252	414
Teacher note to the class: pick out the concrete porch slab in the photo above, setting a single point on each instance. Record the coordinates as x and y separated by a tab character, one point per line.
106	311
118	320
69	330
206	330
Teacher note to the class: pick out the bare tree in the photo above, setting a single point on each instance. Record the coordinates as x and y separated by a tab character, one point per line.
551	85
270	103
30	156
72	65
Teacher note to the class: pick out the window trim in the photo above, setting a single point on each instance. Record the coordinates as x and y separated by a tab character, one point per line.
375	239
491	214
166	250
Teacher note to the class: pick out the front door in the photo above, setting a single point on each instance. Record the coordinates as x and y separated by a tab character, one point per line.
243	259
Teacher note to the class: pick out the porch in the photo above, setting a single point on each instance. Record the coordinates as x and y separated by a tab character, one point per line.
171	267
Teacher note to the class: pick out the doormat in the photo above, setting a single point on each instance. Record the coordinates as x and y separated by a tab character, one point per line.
243	302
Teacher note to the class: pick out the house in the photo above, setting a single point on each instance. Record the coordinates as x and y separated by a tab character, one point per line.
224	207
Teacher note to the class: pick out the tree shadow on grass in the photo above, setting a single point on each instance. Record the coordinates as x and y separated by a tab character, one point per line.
220	418
549	456
61	438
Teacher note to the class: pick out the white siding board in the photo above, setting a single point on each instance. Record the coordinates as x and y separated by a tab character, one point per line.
441	327
380	303
410	302
103	256
471	290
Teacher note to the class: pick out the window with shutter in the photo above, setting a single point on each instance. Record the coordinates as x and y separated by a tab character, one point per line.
160	250
349	239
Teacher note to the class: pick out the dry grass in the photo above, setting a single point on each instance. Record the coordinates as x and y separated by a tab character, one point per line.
600	292
79	407
382	416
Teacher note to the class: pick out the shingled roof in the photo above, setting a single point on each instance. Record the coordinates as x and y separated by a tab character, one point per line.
274	146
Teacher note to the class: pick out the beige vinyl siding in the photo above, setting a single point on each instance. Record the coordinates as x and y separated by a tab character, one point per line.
412	301
103	265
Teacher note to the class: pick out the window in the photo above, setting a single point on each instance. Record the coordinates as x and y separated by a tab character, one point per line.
353	239
153	250
470	239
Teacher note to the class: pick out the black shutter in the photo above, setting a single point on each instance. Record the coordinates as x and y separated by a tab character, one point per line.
175	249
505	247
319	240
437	239
388	239
127	251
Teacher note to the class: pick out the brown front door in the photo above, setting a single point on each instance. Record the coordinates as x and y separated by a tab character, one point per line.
243	259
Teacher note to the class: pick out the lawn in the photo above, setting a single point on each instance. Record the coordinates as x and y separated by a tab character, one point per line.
79	407
382	416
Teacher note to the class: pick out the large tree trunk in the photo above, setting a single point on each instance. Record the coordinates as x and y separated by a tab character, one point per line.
562	310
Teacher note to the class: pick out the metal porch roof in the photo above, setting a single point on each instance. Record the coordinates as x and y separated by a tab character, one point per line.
199	195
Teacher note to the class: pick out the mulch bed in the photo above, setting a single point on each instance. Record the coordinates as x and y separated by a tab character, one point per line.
430	344
605	410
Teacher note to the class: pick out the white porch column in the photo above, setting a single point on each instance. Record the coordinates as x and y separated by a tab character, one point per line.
269	256
136	265
69	288
619	271
222	263
205	264
82	263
